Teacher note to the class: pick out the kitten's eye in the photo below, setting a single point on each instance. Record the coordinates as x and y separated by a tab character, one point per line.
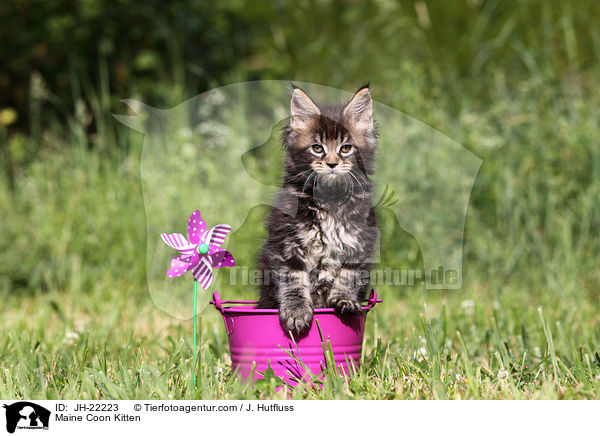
317	148
346	148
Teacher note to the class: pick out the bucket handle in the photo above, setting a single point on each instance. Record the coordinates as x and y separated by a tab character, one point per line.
228	321
372	300
218	303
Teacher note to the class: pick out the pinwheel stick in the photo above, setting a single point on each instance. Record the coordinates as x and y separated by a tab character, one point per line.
195	321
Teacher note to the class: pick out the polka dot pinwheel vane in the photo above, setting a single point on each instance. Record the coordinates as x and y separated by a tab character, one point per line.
201	252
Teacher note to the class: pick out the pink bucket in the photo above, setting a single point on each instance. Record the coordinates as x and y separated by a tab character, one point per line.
257	340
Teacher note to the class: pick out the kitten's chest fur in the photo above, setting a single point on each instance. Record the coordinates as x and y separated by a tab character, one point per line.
327	240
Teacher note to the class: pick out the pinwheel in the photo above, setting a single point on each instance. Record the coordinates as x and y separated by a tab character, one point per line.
200	252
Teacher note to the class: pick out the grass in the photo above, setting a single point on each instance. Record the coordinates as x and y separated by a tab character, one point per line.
77	320
114	345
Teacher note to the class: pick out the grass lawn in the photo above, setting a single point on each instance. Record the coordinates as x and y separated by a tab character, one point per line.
113	344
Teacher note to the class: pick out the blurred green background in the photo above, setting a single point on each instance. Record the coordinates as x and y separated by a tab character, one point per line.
514	82
517	83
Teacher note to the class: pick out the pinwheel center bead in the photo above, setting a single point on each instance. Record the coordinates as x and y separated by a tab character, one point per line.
202	249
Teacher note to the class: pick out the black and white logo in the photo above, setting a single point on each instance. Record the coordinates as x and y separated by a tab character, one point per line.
26	415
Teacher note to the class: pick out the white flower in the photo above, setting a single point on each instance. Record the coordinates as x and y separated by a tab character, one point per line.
71	335
468	306
420	354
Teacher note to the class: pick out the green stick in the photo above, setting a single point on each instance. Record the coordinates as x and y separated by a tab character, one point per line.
194	339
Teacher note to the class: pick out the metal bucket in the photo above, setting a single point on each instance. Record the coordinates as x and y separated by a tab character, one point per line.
257	340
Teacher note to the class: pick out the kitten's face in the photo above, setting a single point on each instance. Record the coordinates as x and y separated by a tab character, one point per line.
331	145
331	151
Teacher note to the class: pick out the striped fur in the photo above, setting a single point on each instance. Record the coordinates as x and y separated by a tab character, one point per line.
321	231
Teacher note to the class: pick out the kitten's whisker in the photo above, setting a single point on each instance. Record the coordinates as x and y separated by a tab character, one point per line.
357	181
300	174
307	179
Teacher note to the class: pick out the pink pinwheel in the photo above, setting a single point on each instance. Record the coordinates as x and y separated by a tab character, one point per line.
201	252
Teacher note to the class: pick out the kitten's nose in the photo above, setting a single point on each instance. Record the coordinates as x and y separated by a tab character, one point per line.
331	164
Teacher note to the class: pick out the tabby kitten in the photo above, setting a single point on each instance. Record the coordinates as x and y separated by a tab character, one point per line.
321	231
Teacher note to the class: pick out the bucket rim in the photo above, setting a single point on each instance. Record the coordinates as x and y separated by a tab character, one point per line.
249	307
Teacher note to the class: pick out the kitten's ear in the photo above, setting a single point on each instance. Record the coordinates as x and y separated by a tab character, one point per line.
359	111
301	108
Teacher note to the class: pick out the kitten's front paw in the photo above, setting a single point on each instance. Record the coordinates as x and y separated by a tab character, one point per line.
345	306
296	318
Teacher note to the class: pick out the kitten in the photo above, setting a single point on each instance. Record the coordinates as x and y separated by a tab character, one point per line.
321	232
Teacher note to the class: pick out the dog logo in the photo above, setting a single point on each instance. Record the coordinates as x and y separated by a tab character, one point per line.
26	415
